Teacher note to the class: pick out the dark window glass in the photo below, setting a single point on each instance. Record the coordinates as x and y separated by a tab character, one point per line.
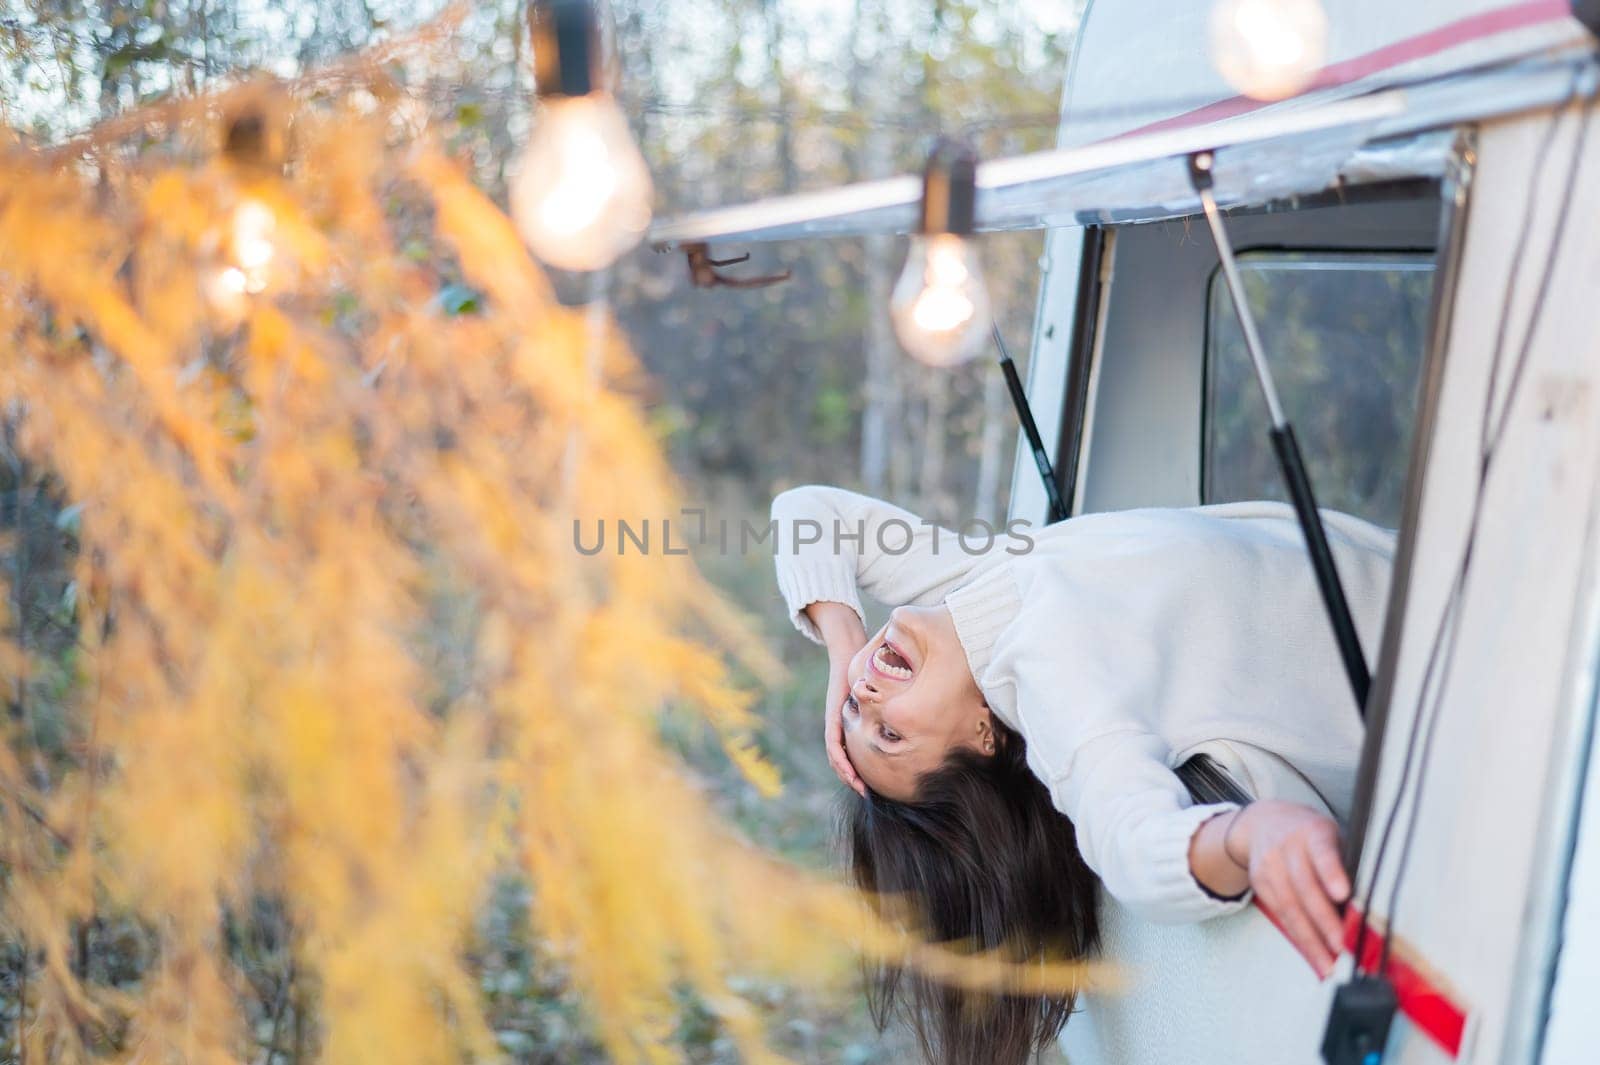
1344	334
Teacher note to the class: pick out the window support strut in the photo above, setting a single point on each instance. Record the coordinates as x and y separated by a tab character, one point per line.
1290	461
1030	429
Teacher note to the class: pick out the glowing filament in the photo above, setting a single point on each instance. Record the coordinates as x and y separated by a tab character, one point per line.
940	307
582	193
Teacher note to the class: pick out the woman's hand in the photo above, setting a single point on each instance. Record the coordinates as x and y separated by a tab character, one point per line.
843	635
1292	855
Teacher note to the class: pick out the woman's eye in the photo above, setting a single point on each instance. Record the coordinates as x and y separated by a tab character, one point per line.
888	733
851	705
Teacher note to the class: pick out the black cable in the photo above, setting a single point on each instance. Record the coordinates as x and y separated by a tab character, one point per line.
1542	293
1519	252
1428	709
1489	449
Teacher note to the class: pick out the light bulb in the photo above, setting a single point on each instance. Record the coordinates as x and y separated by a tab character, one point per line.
1268	49
582	193
249	252
253	249
940	307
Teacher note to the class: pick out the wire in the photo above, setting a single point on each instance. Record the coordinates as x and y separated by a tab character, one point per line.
1519	253
1487	452
1449	628
1415	756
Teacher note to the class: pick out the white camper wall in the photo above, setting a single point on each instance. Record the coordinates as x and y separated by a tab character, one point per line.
1476	903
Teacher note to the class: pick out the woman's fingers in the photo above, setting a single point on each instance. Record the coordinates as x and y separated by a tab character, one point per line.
1296	871
833	741
844	770
1314	897
843	635
1329	864
1276	888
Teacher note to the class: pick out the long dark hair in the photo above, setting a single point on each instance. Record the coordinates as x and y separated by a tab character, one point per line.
984	863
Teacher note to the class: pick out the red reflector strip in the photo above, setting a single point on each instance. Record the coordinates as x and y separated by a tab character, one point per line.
1421	995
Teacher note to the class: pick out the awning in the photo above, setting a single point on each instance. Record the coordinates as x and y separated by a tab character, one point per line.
1260	157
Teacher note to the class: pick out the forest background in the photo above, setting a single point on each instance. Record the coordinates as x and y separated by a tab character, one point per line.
748	391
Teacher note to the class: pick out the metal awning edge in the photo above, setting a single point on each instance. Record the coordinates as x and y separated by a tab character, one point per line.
734	223
890	205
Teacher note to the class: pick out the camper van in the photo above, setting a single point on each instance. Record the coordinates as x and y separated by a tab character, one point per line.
1416	231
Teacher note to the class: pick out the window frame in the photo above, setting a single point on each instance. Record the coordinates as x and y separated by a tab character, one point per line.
1452	191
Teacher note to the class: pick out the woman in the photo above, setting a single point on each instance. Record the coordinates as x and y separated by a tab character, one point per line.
1014	730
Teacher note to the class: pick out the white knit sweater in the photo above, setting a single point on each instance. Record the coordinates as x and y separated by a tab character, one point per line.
1118	643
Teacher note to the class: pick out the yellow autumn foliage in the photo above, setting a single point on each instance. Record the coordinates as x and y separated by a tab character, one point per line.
276	496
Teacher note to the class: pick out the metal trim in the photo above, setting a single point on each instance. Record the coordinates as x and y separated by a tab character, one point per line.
1080	357
1098	173
1094	344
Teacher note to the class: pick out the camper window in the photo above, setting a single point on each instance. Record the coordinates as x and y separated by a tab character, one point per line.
1345	334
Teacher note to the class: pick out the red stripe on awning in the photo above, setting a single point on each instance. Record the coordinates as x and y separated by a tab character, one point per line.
1434	41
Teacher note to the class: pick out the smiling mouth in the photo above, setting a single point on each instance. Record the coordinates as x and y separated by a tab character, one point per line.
891	663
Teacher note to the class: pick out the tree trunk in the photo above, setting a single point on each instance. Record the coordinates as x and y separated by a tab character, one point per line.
786	165
881	416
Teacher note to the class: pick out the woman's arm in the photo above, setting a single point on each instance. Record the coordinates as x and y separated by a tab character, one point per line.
1135	821
843	635
1173	861
1289	855
832	544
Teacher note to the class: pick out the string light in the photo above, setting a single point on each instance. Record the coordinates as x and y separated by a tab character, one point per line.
247	255
1268	49
244	269
940	306
581	196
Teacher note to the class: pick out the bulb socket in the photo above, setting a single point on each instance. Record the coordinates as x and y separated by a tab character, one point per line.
1588	13
254	140
950	189
1201	167
566	47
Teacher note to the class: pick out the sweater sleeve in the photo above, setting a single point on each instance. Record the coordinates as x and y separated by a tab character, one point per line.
831	544
1106	771
1135	821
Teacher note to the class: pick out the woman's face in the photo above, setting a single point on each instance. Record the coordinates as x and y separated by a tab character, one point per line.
911	701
